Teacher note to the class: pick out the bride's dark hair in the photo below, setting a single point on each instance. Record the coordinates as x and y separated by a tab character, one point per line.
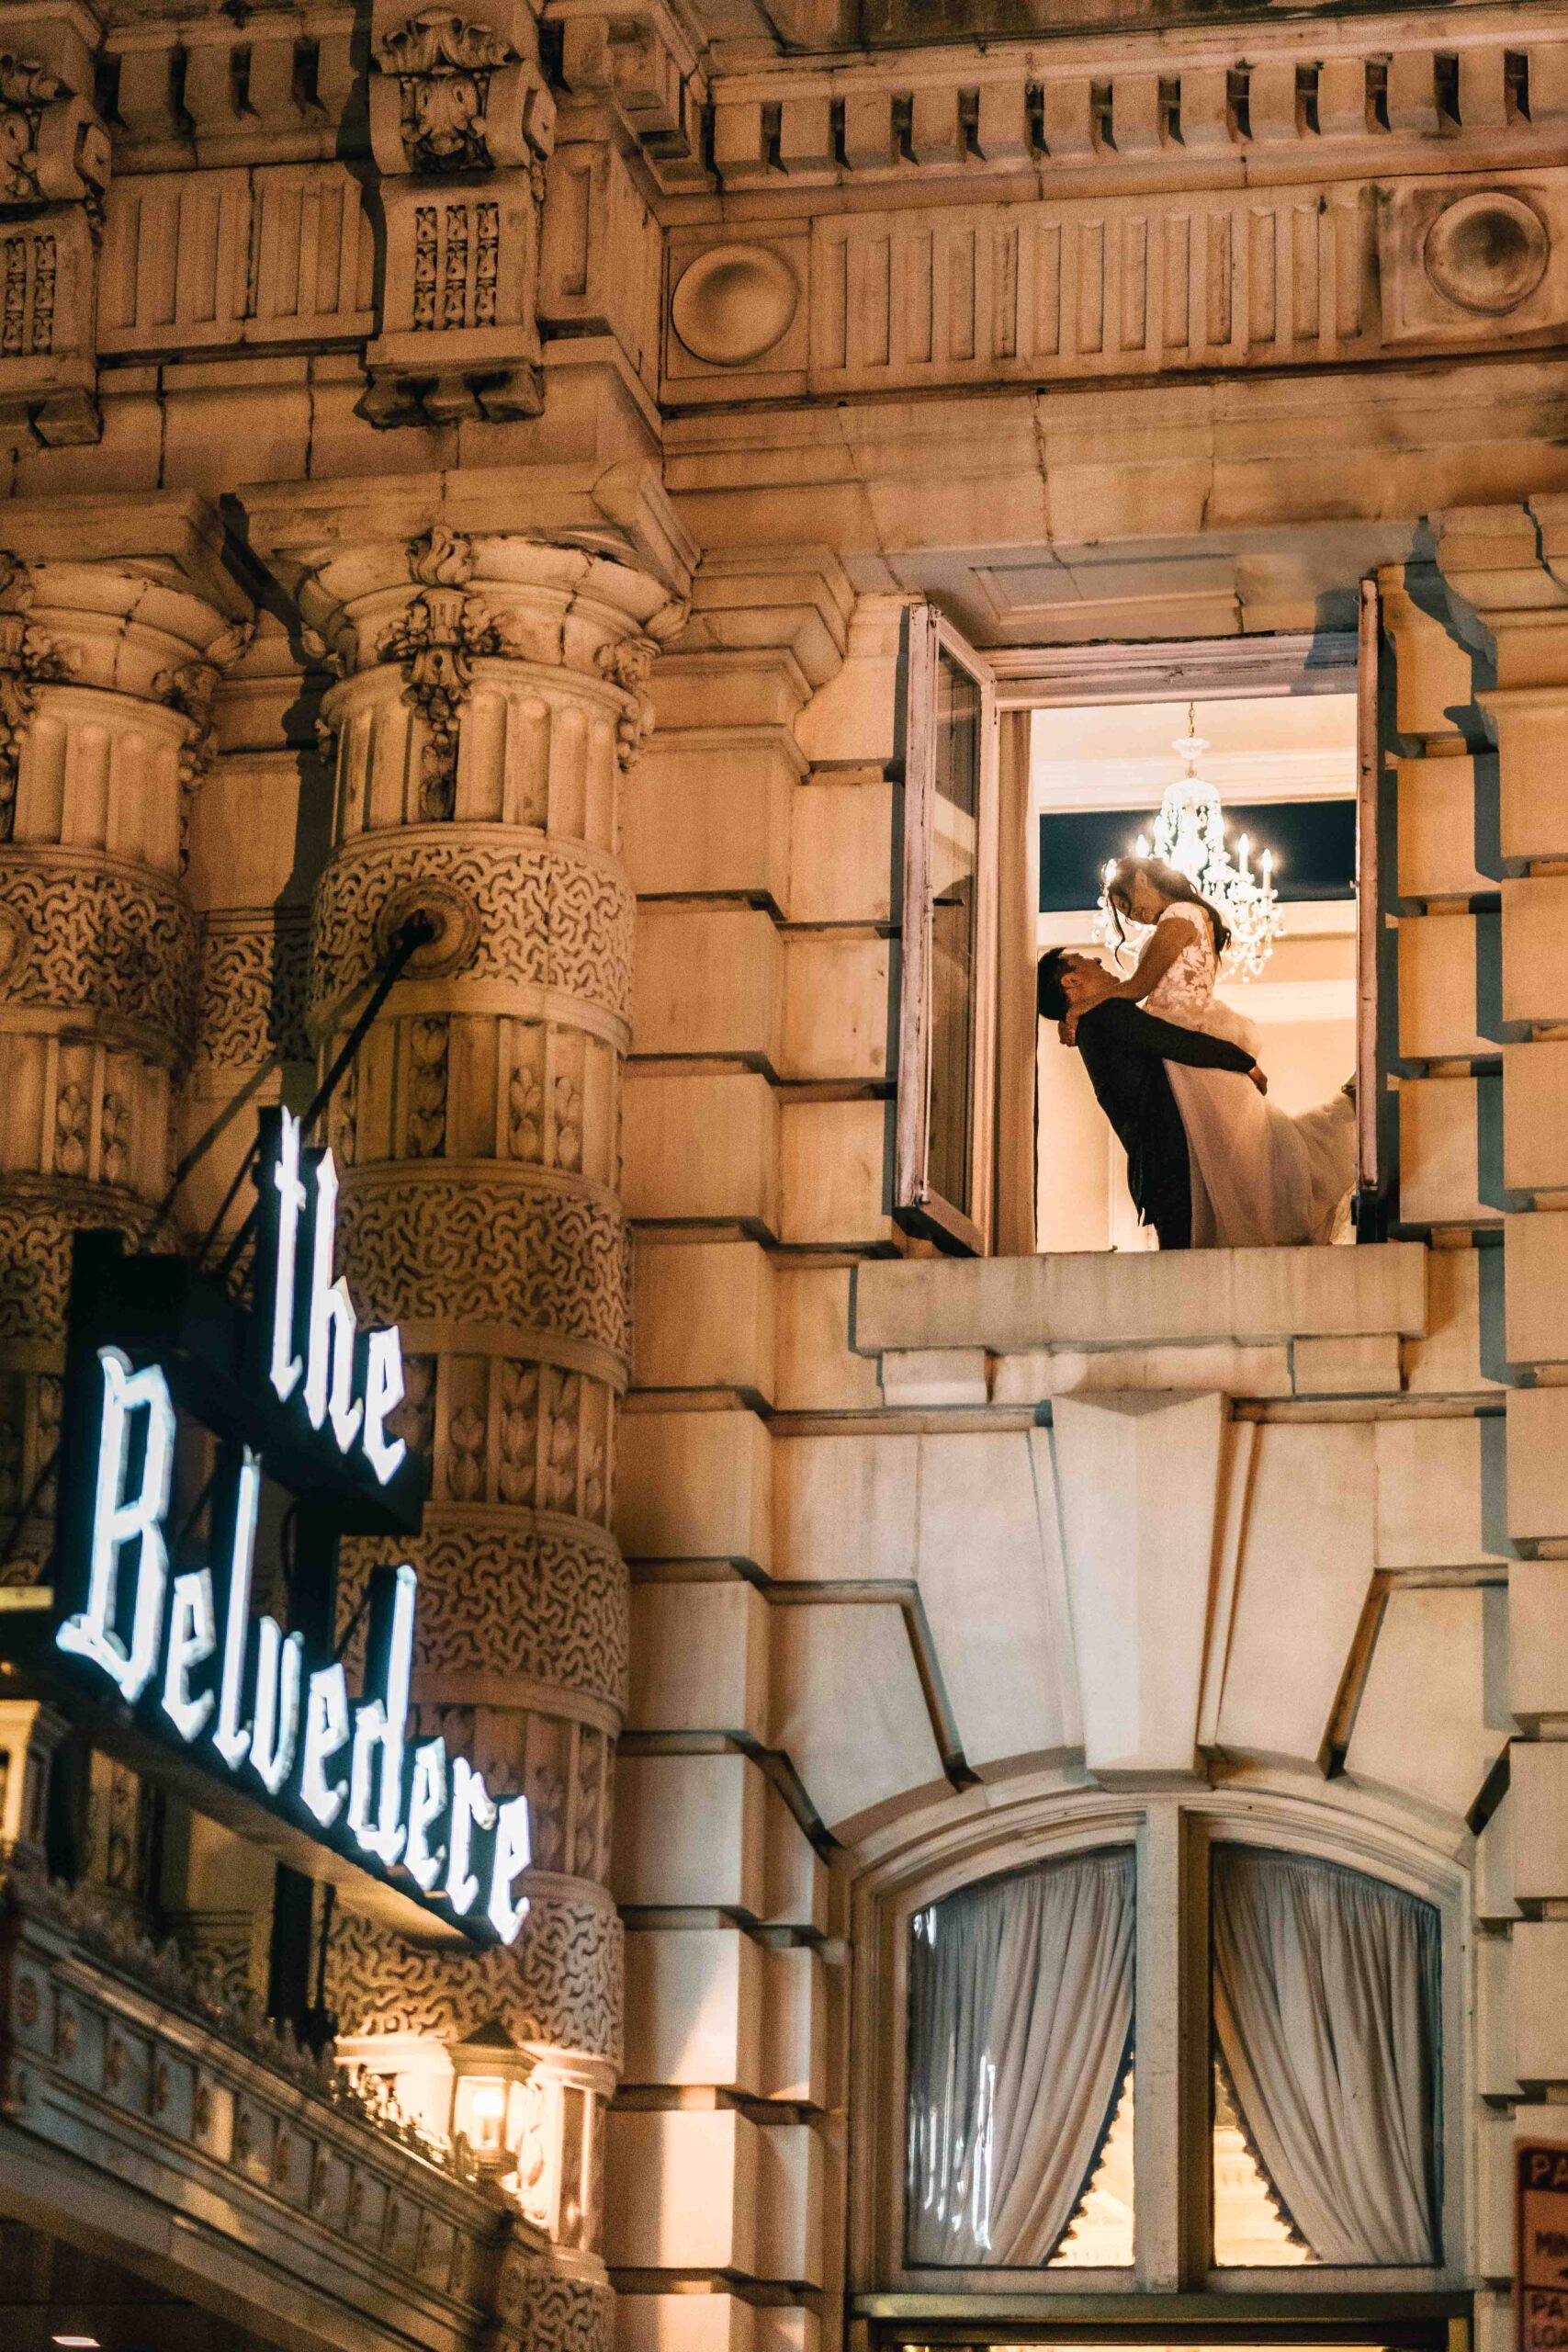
1170	882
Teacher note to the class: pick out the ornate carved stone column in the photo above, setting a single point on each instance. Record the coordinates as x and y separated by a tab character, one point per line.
106	668
490	697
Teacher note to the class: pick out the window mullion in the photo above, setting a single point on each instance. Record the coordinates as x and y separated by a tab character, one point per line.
1170	2157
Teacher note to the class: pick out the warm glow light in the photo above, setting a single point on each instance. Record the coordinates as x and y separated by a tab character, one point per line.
86	2343
481	2110
1190	835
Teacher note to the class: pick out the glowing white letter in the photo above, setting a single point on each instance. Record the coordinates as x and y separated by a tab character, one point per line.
383	1395
119	1521
329	1367
427	1803
513	1852
280	1667
471	1804
286	1367
326	1729
193	1638
232	1738
379	1723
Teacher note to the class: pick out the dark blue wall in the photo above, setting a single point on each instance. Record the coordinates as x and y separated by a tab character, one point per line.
1314	844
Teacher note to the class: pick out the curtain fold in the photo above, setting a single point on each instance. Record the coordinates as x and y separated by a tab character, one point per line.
1020	2019
1326	2004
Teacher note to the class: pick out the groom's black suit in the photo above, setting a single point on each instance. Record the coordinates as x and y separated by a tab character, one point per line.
1125	1050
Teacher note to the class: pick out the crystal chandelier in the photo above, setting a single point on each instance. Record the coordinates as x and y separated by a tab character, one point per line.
1189	833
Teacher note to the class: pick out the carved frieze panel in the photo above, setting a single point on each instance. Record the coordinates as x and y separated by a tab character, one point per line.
561	1984
972	294
177	273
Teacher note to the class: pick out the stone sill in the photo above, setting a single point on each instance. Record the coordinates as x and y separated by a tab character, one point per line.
1224	1318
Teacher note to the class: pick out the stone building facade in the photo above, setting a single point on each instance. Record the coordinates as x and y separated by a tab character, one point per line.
500	470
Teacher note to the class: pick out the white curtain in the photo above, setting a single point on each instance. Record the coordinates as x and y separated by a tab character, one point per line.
1020	2020
1326	2002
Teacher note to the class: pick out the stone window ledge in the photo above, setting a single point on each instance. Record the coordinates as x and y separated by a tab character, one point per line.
1260	1323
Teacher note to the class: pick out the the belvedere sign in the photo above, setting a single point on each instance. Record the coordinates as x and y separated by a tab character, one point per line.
178	1643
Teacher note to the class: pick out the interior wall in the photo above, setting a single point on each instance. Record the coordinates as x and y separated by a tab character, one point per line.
1283	748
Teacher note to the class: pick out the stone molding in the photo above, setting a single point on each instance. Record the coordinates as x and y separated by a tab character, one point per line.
104	2042
1280	92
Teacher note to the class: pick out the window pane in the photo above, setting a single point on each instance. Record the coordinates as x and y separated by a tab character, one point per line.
1327	2009
954	841
1019	2043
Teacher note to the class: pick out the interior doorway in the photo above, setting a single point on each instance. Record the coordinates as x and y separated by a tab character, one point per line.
1284	767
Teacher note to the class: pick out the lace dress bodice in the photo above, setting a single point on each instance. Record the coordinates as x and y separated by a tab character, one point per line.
1186	992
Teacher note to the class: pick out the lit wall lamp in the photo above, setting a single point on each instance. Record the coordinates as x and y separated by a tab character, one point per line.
507	2119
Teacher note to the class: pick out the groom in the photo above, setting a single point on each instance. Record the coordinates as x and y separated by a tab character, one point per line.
1124	1050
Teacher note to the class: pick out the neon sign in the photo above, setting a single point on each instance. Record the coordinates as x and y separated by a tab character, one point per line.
180	1645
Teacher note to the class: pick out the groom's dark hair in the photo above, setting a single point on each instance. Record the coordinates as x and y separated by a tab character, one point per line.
1052	995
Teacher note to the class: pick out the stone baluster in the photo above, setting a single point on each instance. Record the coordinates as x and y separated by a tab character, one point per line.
108	665
490	695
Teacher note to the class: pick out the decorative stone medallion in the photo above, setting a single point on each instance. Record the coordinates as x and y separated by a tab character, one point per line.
732	305
1487	253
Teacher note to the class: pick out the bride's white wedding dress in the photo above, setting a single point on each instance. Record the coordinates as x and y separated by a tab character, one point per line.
1261	1177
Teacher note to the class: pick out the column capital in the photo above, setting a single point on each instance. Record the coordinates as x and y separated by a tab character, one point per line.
617	515
175	538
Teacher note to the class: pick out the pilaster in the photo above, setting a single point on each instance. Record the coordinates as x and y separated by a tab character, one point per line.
489	694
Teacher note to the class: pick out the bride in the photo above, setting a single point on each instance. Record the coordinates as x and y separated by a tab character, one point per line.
1260	1176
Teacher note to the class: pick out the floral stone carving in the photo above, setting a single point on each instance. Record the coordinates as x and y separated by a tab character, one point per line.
438	640
25	89
443	68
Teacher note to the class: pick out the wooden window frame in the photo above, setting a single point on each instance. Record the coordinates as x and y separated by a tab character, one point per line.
916	1205
1172	1837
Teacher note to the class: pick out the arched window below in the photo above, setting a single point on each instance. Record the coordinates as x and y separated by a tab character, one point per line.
1197	2056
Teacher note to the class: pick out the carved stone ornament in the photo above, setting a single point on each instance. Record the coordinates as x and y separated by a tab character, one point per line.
1487	253
189	687
733	305
25	88
629	665
443	67
439	638
53	148
29	659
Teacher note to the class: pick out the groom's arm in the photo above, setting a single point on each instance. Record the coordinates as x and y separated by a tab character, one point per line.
1138	1031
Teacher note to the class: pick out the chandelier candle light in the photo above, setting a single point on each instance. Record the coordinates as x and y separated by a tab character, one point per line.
1189	833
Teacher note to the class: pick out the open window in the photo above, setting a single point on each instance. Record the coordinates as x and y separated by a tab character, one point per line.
1024	773
946	1105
